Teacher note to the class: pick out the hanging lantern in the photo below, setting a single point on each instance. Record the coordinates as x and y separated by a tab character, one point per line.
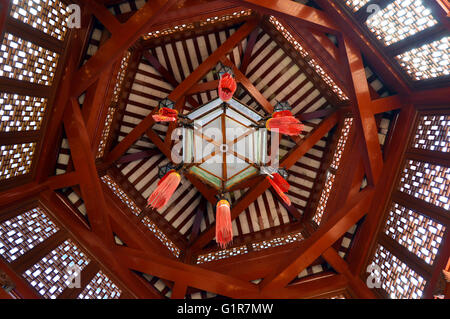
165	189
224	228
277	179
166	112
227	87
283	120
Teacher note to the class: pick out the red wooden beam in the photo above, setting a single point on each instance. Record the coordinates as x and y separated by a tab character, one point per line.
137	156
179	290
386	104
203	87
320	240
83	160
120	41
314	18
103	15
20	193
253	193
246	59
364	117
194	276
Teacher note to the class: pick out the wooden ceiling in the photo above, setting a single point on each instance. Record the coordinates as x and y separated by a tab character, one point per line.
102	149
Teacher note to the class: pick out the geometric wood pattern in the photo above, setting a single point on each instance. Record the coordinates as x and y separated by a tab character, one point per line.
20	234
23	60
432	133
48	16
426	181
161	236
21	113
50	275
419	234
16	159
121	194
100	287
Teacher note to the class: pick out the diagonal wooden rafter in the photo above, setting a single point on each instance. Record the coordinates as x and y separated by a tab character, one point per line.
290	159
120	41
321	240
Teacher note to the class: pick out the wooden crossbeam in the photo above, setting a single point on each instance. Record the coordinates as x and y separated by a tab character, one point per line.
253	193
312	17
386	104
120	41
364	117
84	163
321	240
196	277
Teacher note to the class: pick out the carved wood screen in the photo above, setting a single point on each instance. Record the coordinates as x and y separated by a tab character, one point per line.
412	243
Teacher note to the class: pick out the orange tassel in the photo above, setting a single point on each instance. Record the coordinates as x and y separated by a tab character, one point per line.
165	189
282	113
224	229
287	125
279	189
166	115
281	182
227	87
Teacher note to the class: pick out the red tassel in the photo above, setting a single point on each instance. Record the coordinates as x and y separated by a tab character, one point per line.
281	182
224	229
279	190
166	115
282	113
166	187
227	87
287	125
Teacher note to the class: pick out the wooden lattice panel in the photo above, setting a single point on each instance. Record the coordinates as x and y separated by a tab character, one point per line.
168	31
428	61
279	241
322	205
419	234
341	143
400	20
50	276
356	4
226	17
23	232
21	113
397	279
222	254
428	182
100	287
121	76
105	132
432	133
16	159
23	60
297	46
121	194
161	236
48	16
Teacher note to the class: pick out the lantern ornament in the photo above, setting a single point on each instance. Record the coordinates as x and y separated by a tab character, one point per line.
224	228
277	179
227	83
168	183
166	112
284	121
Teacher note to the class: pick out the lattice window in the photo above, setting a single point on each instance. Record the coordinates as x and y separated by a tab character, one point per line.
428	61
105	132
121	194
23	60
399	20
222	254
356	4
161	236
433	133
100	287
16	159
23	232
121	76
226	17
279	241
21	113
51	275
322	205
397	279
427	182
297	46
419	234
48	16
168	31
341	143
